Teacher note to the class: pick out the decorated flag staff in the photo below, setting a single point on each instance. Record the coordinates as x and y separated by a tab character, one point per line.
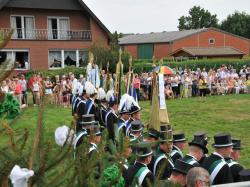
131	90
108	82
119	79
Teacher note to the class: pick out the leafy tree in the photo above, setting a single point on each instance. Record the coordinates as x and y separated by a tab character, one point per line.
114	40
237	23
198	18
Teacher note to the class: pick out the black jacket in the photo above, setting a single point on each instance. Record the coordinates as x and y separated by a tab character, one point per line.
80	107
235	169
101	113
176	154
224	175
191	160
131	173
91	108
74	104
111	120
162	165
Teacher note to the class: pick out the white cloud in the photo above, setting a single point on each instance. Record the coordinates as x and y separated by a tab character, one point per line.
142	16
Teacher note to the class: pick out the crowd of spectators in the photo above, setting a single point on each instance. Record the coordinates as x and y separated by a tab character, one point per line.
185	83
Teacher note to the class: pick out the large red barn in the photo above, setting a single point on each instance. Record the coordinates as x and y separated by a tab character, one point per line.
165	44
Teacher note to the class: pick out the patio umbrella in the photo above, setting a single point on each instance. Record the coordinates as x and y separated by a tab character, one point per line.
164	69
167	70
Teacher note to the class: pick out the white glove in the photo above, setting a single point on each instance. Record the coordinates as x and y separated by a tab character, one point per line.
20	176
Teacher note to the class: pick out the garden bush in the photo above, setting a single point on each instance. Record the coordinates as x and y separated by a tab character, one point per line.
51	73
146	65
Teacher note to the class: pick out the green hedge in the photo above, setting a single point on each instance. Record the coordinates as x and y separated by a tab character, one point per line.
60	72
146	65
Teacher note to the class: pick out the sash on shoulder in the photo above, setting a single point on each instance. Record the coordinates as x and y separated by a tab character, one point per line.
141	174
215	168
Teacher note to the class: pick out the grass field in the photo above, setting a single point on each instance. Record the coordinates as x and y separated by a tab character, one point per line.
217	114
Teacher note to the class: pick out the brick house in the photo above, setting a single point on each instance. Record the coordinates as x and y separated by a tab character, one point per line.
166	44
50	34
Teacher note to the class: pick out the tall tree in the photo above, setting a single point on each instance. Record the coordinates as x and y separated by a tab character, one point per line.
198	18
237	23
114	40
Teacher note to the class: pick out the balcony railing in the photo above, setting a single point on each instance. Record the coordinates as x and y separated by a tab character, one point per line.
45	34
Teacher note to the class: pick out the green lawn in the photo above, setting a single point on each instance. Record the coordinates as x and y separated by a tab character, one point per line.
218	114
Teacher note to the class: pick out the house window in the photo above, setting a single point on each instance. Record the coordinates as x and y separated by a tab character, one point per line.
19	57
55	59
24	27
71	57
58	28
83	57
211	40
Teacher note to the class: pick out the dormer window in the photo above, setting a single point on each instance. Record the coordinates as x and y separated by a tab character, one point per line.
211	41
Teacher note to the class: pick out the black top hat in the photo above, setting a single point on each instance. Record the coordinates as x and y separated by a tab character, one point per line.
94	130
134	109
165	128
201	143
222	140
201	135
166	136
136	126
244	175
182	167
124	110
236	144
180	137
88	119
113	100
153	133
143	149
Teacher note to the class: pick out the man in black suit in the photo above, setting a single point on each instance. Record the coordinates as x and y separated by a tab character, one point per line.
162	163
203	137
215	164
179	145
232	161
102	108
139	173
90	107
135	114
197	150
111	117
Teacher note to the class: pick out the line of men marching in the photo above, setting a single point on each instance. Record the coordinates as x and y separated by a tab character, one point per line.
163	160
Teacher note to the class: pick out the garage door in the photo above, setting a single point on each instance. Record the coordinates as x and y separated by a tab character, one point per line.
145	51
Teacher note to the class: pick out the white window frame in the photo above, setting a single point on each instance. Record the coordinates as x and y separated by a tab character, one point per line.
77	51
71	50
211	39
18	50
22	23
58	50
58	25
85	50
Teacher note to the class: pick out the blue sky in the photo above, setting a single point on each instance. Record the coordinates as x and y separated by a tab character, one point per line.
144	16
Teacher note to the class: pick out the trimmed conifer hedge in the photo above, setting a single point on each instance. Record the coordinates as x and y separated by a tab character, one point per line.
146	65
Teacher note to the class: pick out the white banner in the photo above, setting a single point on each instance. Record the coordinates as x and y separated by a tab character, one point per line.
162	91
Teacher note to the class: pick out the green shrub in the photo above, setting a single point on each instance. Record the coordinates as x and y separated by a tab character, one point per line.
146	65
51	73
